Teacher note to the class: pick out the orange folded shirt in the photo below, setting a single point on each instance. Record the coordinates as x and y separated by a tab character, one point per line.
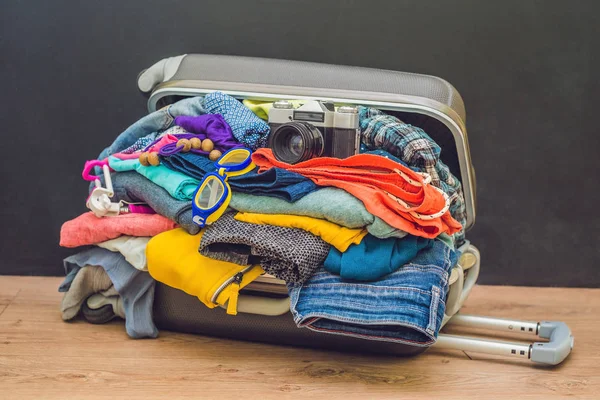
89	229
372	179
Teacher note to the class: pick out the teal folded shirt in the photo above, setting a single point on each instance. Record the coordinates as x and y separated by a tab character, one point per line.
374	258
178	185
329	203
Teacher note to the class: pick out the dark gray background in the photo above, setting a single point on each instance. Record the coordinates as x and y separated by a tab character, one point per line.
528	71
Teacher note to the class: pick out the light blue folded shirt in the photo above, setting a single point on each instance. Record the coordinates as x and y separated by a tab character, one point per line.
178	185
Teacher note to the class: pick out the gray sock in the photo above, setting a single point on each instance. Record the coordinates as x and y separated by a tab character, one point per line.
88	281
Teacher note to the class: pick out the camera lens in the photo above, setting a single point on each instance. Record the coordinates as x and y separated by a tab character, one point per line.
294	142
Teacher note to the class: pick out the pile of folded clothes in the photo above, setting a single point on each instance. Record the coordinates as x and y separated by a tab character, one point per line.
364	244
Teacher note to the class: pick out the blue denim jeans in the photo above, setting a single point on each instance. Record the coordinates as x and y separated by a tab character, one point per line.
406	306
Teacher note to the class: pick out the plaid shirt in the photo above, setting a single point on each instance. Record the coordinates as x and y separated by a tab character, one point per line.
413	146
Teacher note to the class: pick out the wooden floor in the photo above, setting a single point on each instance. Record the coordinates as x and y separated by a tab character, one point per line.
42	357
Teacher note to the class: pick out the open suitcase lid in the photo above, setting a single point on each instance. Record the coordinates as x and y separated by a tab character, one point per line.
421	100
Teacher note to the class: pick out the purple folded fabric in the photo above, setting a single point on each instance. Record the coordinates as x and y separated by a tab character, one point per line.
211	126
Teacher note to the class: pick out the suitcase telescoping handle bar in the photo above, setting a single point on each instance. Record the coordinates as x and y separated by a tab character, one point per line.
553	352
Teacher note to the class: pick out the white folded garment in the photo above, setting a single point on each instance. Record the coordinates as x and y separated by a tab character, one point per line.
131	247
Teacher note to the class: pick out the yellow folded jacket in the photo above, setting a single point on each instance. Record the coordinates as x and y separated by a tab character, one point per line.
174	260
338	236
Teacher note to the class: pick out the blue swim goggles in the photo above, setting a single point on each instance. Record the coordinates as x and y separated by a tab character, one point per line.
213	194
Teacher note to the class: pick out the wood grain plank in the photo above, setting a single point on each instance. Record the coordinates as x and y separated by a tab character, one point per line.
43	357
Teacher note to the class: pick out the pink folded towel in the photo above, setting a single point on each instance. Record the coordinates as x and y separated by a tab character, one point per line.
89	229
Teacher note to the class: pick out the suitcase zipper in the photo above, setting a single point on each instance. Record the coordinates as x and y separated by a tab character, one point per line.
235	290
235	281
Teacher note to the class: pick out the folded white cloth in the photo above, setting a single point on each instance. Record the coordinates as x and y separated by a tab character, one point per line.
131	247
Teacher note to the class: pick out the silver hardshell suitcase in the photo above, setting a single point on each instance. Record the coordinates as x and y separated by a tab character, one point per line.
425	101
